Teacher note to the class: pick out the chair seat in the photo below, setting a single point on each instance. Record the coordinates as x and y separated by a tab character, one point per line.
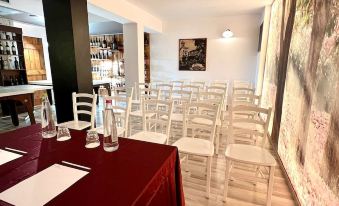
76	125
147	136
195	146
100	130
251	126
250	154
175	117
138	113
205	121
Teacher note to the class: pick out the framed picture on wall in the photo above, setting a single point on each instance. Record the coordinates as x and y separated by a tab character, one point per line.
192	54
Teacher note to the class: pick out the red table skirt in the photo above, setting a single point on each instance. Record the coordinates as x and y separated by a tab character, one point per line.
138	173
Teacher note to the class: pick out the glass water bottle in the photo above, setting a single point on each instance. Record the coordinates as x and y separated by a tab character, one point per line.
110	129
47	120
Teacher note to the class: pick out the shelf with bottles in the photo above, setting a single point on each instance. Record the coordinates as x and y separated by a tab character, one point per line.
109	41
10	36
13	80
9	63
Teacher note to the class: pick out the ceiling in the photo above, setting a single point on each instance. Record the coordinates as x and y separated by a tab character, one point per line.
175	9
21	16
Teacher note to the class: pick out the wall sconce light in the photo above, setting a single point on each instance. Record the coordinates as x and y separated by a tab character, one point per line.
227	33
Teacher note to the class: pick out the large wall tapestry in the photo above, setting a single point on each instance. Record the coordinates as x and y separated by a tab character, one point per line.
309	132
192	54
272	56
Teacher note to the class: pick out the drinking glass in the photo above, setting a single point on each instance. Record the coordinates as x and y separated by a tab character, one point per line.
92	139
63	134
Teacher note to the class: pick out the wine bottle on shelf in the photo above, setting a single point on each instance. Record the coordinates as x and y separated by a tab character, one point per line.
1	48
16	63
13	49
8	35
2	35
14	36
8	50
114	44
100	42
2	66
104	43
11	81
95	41
16	81
22	80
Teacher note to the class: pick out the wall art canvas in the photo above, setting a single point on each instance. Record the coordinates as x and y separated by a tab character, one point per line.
272	57
309	133
192	54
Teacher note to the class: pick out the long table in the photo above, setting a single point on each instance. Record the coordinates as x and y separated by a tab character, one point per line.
138	173
23	94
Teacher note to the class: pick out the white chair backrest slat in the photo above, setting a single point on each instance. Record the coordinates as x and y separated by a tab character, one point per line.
84	100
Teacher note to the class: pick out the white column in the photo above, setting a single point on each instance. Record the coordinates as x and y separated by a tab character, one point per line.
134	53
261	70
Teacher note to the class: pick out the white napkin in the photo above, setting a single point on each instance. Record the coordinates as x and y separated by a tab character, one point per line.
6	156
43	186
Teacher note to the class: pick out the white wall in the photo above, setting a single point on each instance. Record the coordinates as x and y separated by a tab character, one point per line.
234	58
38	32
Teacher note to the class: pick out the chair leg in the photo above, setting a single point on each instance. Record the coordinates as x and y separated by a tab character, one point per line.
270	186
209	168
227	176
217	141
186	164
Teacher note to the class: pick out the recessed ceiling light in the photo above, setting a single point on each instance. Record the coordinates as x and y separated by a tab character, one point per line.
32	15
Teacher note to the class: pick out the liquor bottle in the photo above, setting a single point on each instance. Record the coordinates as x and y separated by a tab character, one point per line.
8	36
8	50
95	41
104	43
13	49
14	36
110	129
47	120
114	44
16	63
2	66
11	81
22	80
1	48
100	42
3	35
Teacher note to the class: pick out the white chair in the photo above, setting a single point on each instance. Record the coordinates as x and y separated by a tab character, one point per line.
194	89
121	106
180	99
249	153
242	84
219	83
137	88
165	91
200	84
213	98
201	142
81	101
152	111
123	91
144	94
246	99
177	84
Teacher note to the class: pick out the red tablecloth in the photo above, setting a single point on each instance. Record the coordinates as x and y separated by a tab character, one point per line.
138	173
